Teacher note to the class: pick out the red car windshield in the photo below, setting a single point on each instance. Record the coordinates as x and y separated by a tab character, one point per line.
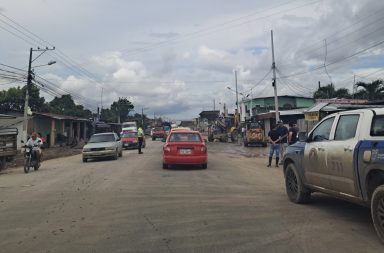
185	137
129	134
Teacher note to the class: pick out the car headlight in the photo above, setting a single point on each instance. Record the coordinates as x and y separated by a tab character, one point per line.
86	149
110	148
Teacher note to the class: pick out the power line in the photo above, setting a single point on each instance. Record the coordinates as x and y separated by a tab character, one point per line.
334	62
213	30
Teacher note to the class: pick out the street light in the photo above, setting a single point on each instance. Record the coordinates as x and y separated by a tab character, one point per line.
49	63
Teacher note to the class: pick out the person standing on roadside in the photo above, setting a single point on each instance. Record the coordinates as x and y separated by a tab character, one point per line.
140	137
274	146
283	132
292	134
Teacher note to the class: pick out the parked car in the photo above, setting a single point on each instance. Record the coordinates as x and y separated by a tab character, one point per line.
185	147
343	156
103	145
130	140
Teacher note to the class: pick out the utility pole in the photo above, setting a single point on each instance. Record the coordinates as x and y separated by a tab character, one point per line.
142	117
354	87
29	87
214	105
274	80
237	93
250	112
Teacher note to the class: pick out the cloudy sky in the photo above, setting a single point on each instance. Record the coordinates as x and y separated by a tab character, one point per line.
175	58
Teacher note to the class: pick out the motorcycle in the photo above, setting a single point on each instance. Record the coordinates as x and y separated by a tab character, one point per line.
29	159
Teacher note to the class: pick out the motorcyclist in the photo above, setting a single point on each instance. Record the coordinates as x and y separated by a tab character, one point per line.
35	142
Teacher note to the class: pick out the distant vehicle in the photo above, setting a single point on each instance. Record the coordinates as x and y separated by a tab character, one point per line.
130	140
158	132
129	126
103	145
185	148
254	134
342	156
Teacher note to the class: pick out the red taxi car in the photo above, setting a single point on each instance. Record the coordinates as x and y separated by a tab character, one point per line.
130	140
185	147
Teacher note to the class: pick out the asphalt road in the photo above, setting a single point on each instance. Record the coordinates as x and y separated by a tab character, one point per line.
133	205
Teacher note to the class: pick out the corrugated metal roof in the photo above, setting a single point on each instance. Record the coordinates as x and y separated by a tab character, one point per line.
317	107
58	116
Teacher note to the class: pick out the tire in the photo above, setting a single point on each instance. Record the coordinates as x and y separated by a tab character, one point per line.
245	144
294	186
27	164
3	163
204	166
116	155
165	166
153	138
85	160
121	153
37	166
234	136
377	211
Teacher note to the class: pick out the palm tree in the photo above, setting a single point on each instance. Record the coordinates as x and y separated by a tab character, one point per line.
371	91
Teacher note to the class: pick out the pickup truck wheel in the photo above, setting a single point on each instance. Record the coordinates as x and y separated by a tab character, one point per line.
296	191
377	211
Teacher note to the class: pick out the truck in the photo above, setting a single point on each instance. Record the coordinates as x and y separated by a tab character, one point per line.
8	146
254	134
343	156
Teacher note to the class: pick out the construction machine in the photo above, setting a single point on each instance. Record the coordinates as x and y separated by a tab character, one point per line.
223	129
254	134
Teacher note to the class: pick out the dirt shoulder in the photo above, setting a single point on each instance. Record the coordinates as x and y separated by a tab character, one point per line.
48	153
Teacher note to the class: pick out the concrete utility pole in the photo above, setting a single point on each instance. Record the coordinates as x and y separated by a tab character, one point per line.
274	80
237	93
29	81
29	86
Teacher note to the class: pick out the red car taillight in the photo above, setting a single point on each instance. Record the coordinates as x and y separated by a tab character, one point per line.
203	149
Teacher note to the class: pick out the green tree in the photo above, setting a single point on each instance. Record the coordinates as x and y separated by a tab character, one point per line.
13	99
371	91
66	105
121	108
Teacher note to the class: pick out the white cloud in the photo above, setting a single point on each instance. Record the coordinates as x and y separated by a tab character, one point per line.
160	59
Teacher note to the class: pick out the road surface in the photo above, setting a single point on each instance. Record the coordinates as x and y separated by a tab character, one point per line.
133	205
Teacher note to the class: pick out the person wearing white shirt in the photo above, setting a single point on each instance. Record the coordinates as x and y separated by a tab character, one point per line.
35	142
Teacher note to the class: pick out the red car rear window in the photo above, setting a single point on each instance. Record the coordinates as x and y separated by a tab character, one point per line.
185	137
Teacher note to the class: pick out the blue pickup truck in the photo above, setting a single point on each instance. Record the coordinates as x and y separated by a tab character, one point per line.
343	156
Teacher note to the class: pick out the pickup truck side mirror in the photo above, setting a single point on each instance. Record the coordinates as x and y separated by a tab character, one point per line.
22	141
303	137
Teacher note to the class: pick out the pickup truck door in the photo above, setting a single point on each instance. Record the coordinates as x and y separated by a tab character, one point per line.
316	170
340	153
